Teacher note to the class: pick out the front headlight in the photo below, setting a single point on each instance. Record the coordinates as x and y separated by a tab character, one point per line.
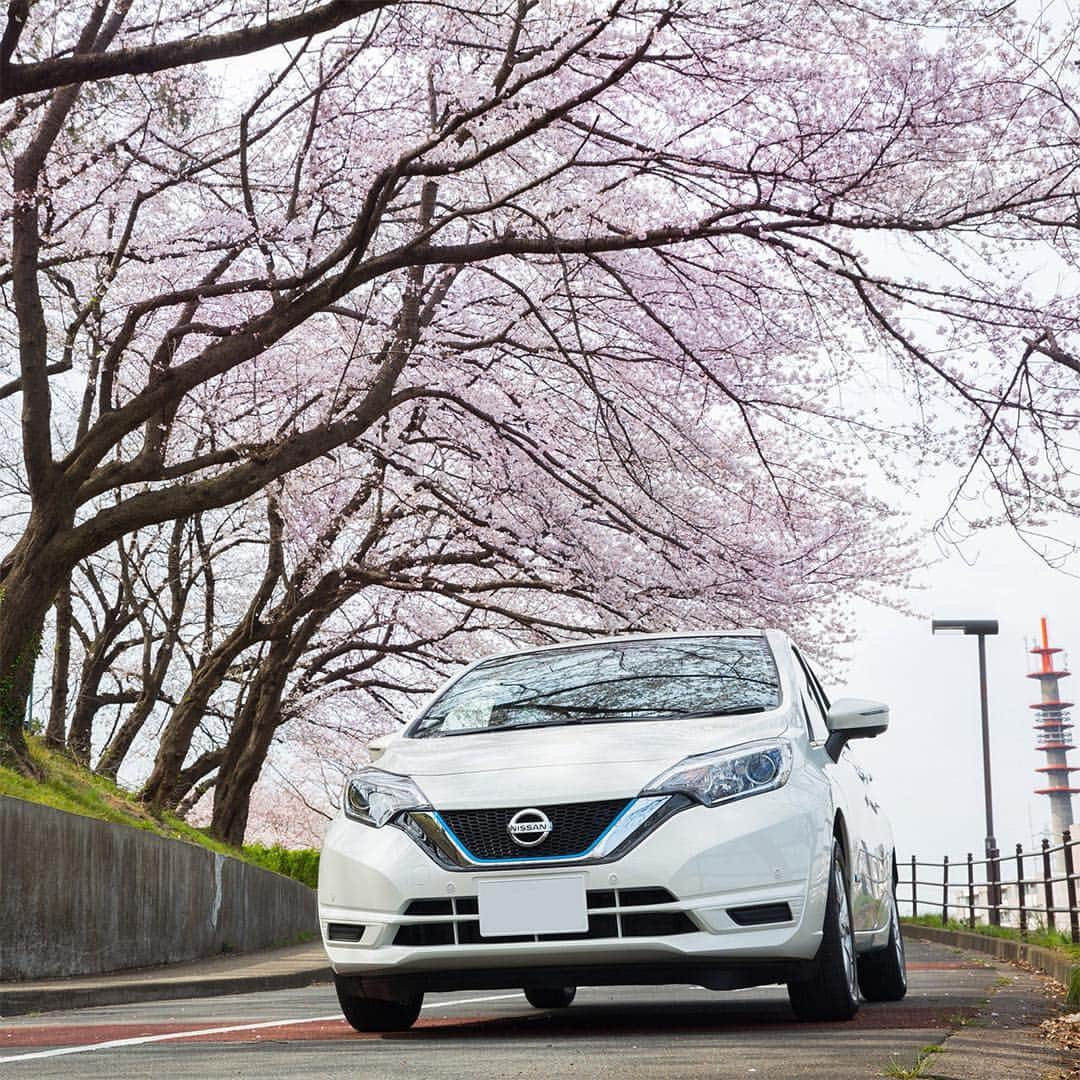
374	797
726	775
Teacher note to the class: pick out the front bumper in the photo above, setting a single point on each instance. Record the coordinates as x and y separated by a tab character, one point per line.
769	854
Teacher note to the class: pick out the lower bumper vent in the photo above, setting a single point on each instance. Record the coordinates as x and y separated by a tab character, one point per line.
622	922
336	931
760	914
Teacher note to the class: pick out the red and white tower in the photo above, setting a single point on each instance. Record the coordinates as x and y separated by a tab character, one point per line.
1053	737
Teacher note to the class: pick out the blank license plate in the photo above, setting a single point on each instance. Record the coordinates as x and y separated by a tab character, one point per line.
539	905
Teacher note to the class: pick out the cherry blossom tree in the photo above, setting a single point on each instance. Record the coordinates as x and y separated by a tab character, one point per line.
627	259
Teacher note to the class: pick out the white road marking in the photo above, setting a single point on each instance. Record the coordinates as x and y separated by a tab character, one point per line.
474	1001
139	1040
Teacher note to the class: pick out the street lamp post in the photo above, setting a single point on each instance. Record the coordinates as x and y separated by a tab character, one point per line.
982	628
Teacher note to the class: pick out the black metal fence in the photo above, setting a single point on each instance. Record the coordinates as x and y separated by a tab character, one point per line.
1029	890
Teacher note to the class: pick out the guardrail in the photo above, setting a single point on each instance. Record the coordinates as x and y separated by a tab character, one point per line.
1026	889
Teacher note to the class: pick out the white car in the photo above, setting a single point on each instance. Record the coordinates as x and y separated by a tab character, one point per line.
676	808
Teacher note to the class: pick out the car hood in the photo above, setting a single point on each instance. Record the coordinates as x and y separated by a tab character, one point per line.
560	764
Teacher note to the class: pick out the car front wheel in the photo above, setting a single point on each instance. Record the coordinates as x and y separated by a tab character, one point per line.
883	972
550	997
832	992
376	1014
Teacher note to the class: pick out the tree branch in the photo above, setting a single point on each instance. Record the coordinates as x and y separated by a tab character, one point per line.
15	385
142	60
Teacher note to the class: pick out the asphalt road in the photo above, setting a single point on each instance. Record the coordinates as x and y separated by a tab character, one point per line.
984	1017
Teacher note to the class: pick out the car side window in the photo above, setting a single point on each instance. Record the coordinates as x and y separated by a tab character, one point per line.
817	706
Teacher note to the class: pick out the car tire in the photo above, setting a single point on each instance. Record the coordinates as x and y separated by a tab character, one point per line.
883	972
550	997
832	992
377	1014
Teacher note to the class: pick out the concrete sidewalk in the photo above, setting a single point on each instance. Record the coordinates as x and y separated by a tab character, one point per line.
238	973
1056	963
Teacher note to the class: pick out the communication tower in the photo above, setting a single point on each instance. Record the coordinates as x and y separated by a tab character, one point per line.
1053	737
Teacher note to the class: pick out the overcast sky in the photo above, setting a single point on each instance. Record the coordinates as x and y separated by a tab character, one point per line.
928	766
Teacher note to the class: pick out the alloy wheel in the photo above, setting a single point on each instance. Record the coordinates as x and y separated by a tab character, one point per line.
847	933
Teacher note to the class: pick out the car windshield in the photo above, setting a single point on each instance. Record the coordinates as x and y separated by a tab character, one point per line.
616	681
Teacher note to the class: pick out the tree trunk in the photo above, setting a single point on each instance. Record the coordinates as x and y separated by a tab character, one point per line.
20	639
118	746
192	777
97	663
54	733
29	580
160	789
153	677
249	742
113	755
259	719
183	807
254	729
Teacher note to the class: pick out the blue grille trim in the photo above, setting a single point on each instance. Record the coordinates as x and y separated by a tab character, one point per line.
452	836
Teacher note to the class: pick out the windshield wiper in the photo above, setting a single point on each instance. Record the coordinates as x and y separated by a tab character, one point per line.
666	714
601	711
610	716
743	710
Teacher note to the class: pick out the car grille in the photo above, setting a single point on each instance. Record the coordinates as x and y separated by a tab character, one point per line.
575	827
623	922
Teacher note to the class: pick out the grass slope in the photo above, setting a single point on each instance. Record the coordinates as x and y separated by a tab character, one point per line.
67	786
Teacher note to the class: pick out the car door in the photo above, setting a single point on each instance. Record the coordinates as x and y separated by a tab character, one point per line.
876	846
850	783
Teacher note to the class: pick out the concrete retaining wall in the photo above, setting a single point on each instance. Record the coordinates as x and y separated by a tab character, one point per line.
79	896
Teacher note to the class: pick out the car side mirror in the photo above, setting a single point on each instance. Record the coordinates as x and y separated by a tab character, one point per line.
854	718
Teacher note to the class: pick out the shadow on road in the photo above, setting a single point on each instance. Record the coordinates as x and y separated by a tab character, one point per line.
651	1018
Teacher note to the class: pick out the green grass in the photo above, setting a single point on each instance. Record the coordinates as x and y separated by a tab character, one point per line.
1048	939
898	1072
302	864
67	786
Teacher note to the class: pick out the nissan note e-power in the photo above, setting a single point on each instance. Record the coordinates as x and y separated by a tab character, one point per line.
677	808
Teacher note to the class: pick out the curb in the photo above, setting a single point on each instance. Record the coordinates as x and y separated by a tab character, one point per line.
1055	964
16	1001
